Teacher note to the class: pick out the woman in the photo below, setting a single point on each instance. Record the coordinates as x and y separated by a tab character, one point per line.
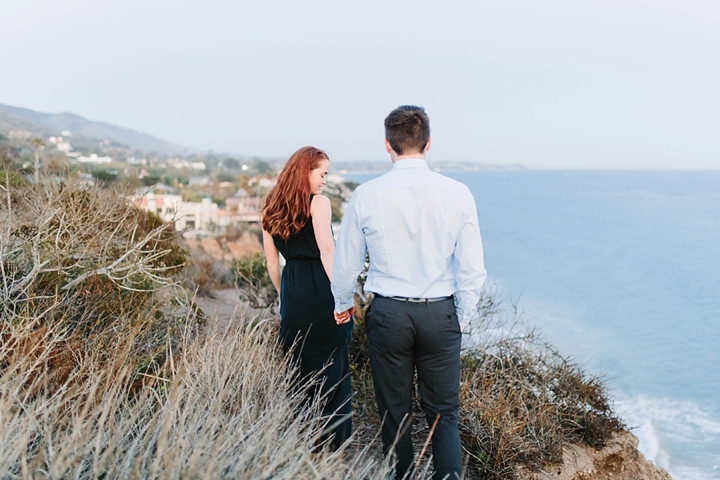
296	223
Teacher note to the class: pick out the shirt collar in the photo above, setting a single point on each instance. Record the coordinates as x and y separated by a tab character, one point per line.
410	163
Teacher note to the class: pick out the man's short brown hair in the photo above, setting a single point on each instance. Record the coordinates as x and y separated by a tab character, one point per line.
407	128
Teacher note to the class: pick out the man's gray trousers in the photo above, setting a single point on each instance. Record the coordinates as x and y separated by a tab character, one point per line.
405	336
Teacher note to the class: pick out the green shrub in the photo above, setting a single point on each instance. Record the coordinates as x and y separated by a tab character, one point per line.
204	274
251	275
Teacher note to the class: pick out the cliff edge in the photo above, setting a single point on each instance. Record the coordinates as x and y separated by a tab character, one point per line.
620	459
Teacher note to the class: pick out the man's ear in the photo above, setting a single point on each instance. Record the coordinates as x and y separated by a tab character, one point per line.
388	148
427	146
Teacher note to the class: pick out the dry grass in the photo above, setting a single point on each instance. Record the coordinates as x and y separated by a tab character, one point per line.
522	402
223	411
106	373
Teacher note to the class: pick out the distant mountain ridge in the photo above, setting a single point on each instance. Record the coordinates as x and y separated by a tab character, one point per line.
47	124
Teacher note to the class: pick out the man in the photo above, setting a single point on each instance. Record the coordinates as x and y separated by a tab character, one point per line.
420	230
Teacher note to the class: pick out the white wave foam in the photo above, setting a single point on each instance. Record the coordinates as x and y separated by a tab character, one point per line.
690	473
676	435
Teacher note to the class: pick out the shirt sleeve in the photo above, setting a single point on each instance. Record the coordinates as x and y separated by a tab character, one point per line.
350	254
471	271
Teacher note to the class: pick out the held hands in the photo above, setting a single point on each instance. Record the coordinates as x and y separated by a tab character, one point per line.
345	316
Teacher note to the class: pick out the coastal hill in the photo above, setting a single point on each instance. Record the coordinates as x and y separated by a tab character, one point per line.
89	136
23	122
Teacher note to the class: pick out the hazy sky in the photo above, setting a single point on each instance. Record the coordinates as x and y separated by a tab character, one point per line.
593	83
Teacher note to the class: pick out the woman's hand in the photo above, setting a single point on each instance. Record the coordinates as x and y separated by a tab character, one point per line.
345	316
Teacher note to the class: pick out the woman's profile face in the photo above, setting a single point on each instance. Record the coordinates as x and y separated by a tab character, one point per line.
317	176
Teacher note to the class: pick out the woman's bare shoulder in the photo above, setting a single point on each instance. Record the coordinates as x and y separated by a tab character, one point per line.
319	201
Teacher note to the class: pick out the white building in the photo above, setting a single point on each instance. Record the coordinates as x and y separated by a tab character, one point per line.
334	178
177	163
199	181
93	158
64	147
262	182
132	160
61	144
199	217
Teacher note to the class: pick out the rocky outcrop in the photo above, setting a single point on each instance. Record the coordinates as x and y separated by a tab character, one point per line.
227	249
618	460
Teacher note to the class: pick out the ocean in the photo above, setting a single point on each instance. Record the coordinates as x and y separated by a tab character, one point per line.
620	270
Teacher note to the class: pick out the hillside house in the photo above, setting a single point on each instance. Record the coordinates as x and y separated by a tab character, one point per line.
198	217
93	158
244	207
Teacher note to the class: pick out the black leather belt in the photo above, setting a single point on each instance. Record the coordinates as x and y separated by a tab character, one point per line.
417	299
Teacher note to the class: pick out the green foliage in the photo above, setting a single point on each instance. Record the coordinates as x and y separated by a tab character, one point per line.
191	195
152	178
12	178
251	275
106	175
336	208
262	167
231	164
171	180
225	177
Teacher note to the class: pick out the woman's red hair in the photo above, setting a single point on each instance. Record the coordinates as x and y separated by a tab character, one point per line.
287	207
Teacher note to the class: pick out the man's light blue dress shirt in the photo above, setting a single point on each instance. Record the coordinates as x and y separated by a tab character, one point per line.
421	232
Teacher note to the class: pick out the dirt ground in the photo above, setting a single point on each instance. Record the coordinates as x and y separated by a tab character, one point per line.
224	308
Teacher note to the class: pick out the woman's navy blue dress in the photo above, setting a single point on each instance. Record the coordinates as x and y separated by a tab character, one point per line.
308	329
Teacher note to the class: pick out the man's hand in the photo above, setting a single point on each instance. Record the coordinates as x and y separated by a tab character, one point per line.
345	316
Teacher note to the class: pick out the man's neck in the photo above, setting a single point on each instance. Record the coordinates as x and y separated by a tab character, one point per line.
412	156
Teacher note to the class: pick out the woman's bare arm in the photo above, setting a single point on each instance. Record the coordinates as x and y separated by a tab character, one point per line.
273	260
321	217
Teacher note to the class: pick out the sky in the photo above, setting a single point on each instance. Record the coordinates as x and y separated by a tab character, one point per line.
630	84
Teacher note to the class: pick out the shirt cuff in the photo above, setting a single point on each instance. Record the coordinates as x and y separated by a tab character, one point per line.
344	306
465	317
